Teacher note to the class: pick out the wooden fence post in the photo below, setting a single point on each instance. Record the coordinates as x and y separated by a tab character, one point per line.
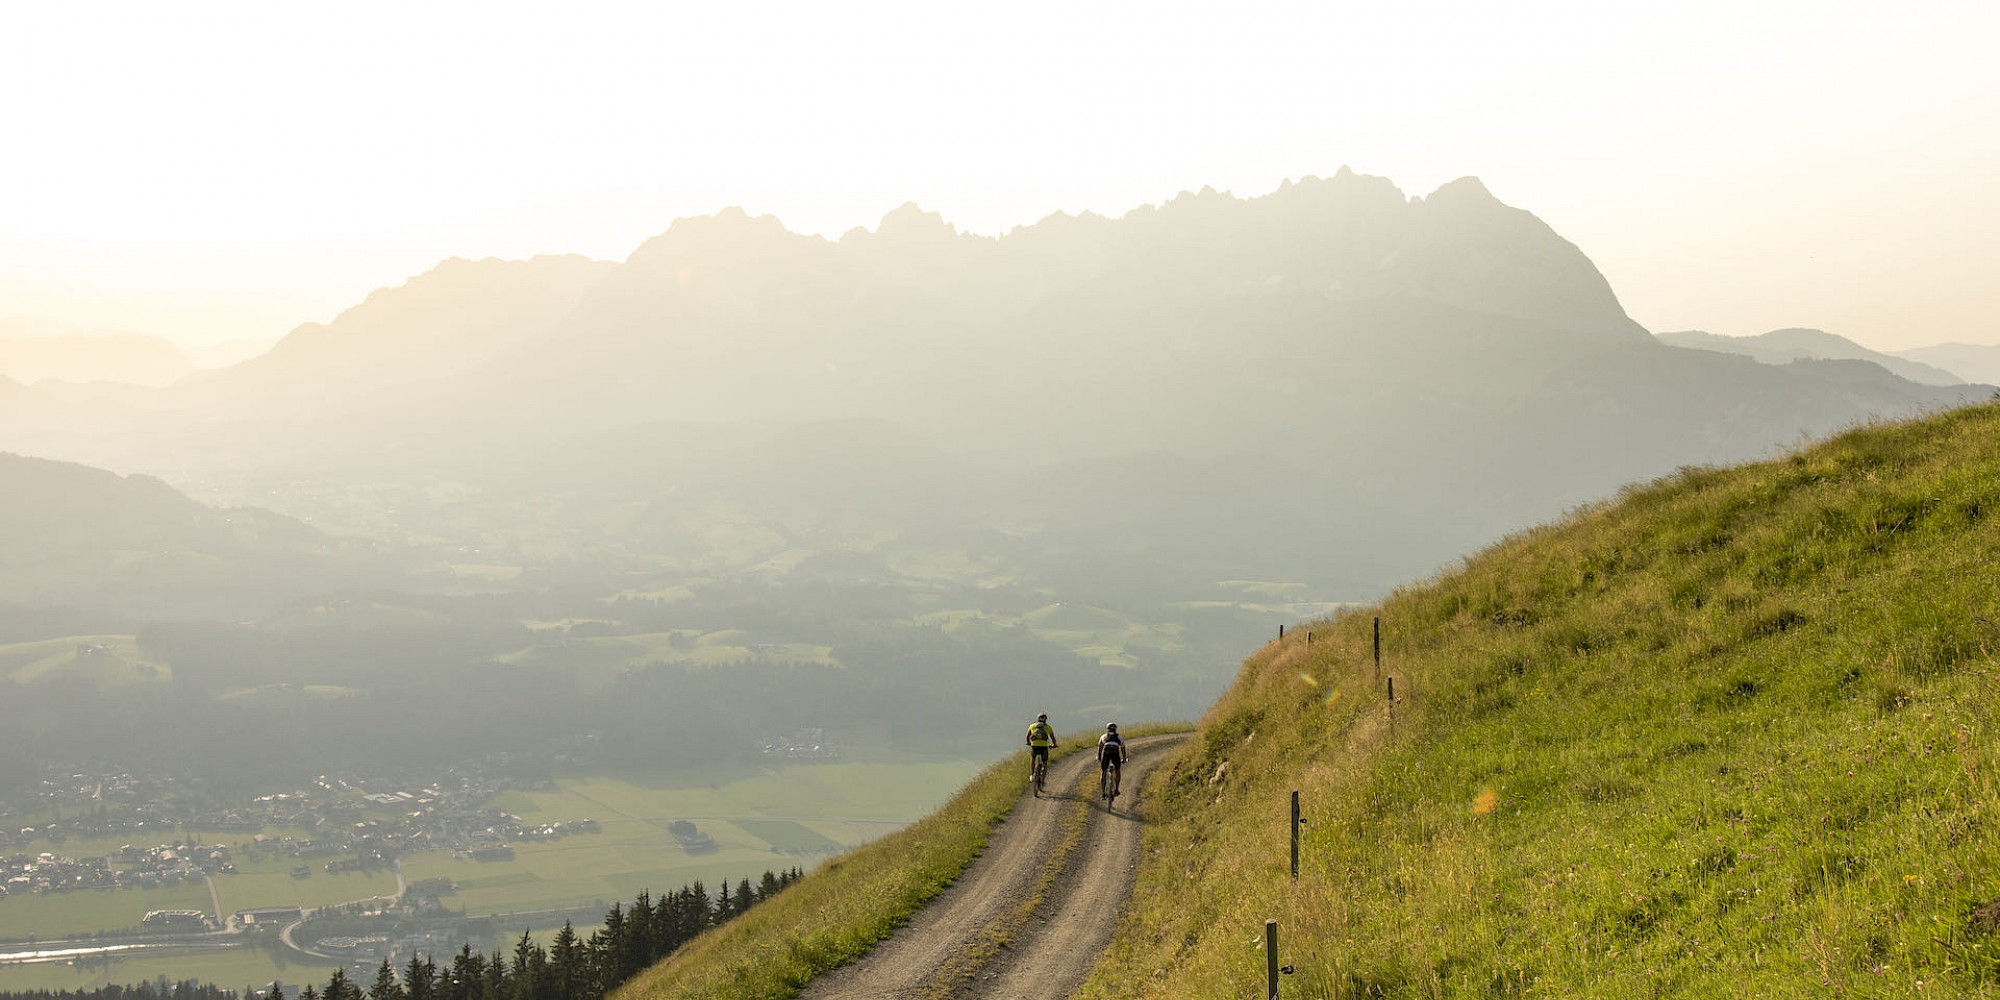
1295	833
1271	956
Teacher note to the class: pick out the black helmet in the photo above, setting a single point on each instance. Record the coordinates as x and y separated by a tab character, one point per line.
1111	727
1044	717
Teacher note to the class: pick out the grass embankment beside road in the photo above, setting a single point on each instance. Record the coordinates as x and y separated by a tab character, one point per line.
1731	734
842	909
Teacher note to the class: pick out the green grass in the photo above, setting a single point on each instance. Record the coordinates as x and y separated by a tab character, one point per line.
288	696
1732	734
227	968
787	836
1109	637
248	889
1267	589
709	649
107	661
86	911
759	821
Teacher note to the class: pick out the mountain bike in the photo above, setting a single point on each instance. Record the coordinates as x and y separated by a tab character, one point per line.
1108	781
1040	771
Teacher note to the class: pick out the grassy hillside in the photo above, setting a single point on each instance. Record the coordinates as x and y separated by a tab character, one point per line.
1731	734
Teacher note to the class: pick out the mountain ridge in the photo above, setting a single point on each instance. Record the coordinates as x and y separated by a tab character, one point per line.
1799	343
1446	347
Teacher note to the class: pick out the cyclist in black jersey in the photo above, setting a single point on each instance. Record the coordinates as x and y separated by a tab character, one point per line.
1111	750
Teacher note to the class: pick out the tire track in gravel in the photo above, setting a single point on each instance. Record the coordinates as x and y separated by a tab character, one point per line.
1030	917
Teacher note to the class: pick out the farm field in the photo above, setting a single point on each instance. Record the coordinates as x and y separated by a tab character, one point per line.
107	661
770	820
87	911
593	656
248	889
227	968
760	818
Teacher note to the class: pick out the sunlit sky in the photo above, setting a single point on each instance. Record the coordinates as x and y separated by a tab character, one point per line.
208	172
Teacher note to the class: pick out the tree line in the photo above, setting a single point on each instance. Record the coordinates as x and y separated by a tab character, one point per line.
571	967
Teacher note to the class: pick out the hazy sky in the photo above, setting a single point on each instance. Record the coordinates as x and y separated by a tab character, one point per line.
211	171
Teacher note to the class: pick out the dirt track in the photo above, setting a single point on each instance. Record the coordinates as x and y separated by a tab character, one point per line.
989	936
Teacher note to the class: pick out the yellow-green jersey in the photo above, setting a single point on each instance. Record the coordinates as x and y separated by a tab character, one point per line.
1040	735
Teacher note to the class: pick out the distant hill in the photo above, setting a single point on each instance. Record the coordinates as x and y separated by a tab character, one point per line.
133	547
1424	374
32	350
1975	362
1785	346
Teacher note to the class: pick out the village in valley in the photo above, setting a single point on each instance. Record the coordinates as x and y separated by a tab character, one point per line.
341	823
350	823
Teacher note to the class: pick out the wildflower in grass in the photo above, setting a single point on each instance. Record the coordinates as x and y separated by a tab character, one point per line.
1485	802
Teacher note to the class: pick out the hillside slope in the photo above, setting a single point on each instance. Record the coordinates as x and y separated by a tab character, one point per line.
1731	734
132	546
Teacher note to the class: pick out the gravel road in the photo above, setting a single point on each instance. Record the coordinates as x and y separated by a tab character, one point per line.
1029	918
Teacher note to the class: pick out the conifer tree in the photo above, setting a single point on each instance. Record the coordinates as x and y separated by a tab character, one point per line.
638	949
526	981
566	971
385	986
420	978
464	980
494	981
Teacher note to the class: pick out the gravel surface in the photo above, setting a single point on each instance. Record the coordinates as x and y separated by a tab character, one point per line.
982	938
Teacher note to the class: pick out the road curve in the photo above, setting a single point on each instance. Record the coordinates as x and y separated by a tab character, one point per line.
1029	918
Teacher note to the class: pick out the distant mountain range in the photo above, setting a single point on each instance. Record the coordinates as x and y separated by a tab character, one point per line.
1785	346
1975	362
1415	375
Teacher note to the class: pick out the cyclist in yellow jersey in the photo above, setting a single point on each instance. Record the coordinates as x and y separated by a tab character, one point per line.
1040	738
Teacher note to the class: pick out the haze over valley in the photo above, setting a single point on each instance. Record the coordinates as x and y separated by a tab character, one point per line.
954	477
473	473
750	505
